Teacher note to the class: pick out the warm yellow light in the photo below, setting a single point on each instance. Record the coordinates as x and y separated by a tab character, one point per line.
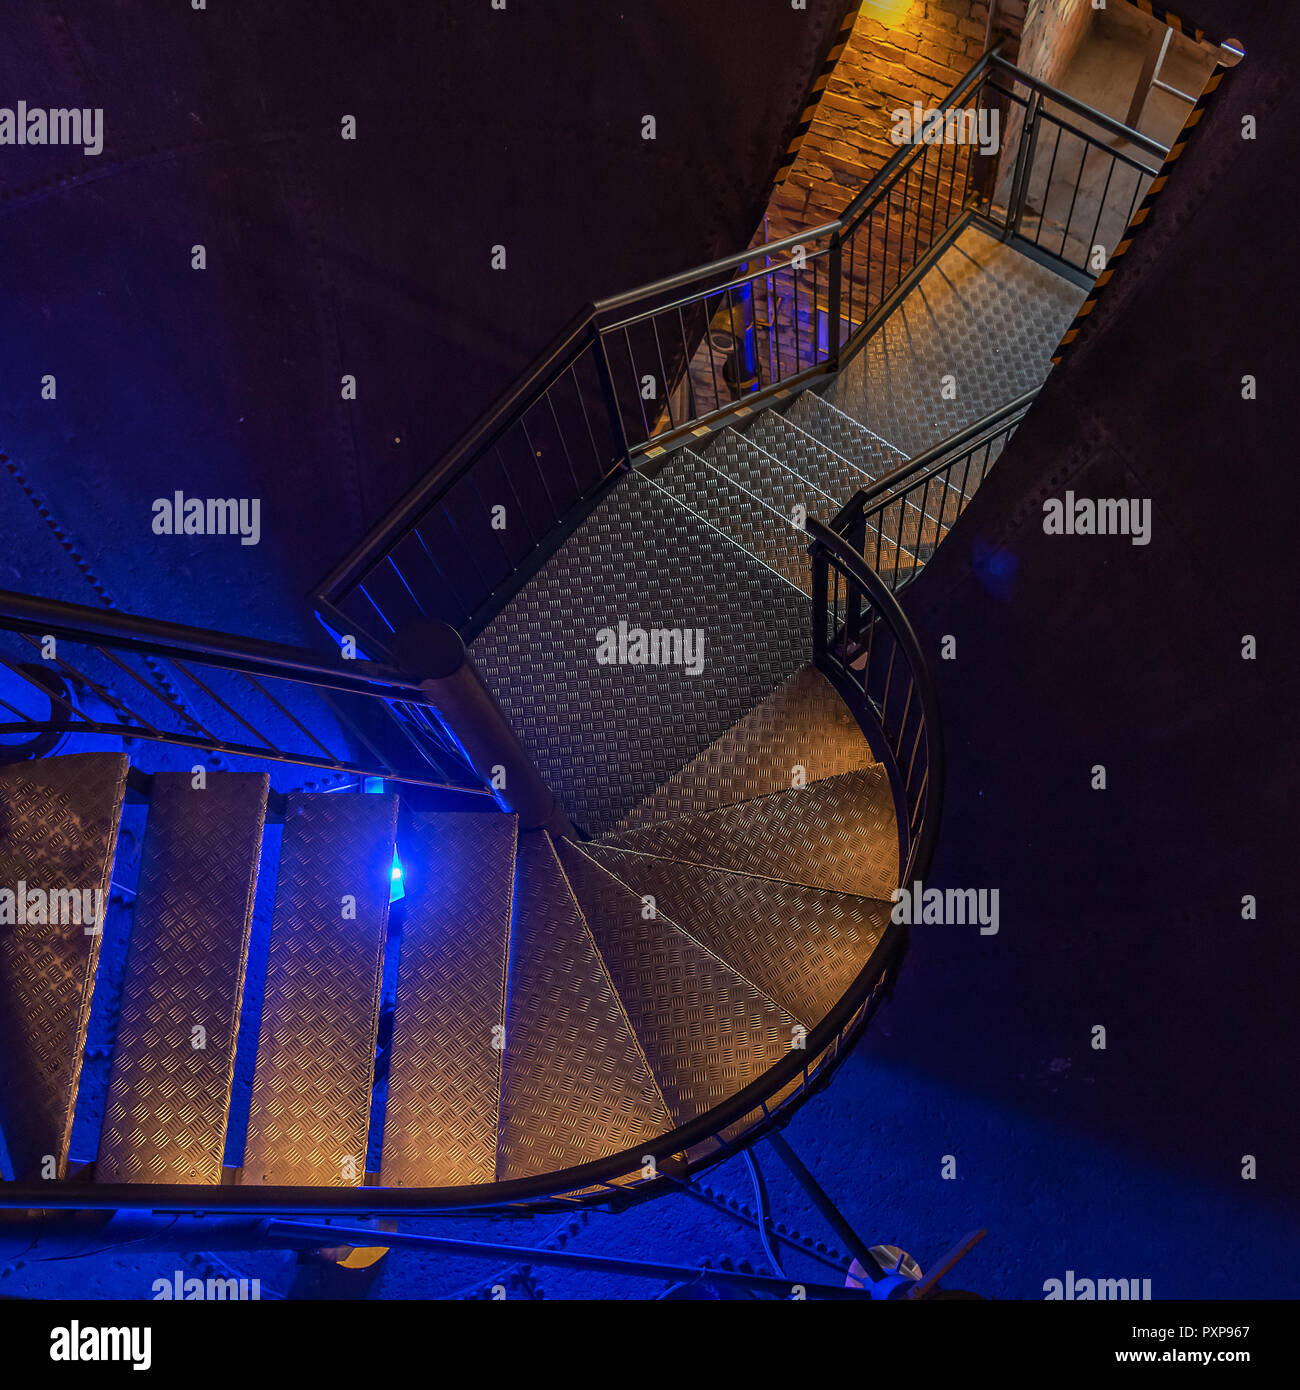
886	11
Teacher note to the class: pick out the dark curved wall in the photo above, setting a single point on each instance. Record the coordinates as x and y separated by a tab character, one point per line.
475	127
1123	907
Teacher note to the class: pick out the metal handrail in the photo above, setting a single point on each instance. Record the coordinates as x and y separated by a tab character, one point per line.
170	649
920	850
596	340
932	459
668	283
462	452
1081	108
76	622
895	162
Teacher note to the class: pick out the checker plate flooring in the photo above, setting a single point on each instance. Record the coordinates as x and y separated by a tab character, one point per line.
804	725
575	1084
801	946
444	1082
598	733
838	834
168	1099
985	314
845	436
707	1032
58	826
310	1108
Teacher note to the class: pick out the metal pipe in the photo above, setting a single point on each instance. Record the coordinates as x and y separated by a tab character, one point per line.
828	1209
476	723
561	1259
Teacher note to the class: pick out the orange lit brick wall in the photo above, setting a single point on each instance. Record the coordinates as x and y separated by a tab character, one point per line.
900	51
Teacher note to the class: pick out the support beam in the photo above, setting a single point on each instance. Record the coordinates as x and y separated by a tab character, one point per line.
834	1217
433	652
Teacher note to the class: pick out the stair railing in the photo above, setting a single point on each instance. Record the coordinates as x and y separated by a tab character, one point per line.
69	672
638	373
865	646
896	523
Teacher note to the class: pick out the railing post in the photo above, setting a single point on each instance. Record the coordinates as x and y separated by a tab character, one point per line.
819	576
1024	165
606	373
434	652
833	292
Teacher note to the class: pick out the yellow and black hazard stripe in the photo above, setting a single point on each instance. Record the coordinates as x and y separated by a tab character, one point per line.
809	113
1179	26
1144	211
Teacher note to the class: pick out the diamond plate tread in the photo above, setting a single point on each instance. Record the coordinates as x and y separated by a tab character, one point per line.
600	737
444	1080
801	946
831	475
748	519
168	1099
803	724
575	1085
984	314
838	834
58	829
706	1031
771	477
845	437
310	1106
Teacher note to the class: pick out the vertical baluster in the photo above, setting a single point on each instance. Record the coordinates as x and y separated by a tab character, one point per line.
1101	206
636	382
564	443
665	385
1047	189
687	360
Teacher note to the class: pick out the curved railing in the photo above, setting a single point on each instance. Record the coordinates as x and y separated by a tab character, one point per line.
659	1164
865	646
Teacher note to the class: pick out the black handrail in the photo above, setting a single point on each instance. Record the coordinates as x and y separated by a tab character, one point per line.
457	459
831	549
1081	108
132	632
932	460
891	167
378	707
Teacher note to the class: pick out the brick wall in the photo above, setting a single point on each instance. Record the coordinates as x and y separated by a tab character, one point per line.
1053	30
900	51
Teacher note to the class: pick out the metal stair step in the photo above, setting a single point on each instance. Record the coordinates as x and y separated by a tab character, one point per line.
706	1031
801	946
838	834
845	436
774	479
600	738
169	1091
58	829
575	1084
444	1082
312	1080
803	724
740	514
802	451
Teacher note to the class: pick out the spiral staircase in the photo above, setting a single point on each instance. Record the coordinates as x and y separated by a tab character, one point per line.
586	1005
